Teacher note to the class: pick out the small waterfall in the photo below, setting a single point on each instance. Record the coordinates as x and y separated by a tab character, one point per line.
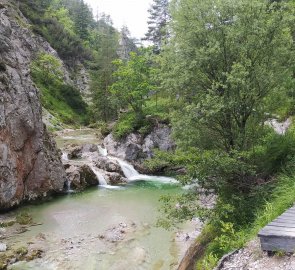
68	187
101	179
102	151
128	170
64	156
132	175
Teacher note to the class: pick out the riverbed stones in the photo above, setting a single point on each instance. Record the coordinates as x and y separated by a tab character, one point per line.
3	247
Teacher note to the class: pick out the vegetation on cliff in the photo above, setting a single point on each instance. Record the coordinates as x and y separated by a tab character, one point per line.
81	41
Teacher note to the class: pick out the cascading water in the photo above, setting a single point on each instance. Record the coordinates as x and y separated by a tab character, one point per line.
68	187
64	156
102	151
128	169
101	179
132	175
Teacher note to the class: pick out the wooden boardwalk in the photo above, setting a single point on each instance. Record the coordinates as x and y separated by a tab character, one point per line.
279	235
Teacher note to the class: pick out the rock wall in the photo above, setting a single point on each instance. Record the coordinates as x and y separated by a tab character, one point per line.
136	148
30	165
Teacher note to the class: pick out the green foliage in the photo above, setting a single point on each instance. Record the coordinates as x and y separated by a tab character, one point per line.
209	262
105	42
159	18
125	125
176	209
61	99
275	153
224	85
55	22
160	108
62	15
133	83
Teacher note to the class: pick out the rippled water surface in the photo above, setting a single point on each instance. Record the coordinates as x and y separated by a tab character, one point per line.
74	226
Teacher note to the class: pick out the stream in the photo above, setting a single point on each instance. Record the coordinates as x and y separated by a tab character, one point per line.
106	228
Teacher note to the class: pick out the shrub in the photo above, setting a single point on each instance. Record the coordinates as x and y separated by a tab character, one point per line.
125	125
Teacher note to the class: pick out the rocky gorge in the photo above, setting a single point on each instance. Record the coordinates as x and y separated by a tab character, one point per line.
32	167
91	164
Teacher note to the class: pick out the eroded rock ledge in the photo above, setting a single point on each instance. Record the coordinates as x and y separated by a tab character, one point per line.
30	165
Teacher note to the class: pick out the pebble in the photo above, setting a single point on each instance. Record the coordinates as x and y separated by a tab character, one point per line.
3	247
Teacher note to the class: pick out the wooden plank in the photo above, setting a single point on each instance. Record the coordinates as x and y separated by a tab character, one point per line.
277	243
282	224
287	215
280	233
279	228
284	219
271	232
290	211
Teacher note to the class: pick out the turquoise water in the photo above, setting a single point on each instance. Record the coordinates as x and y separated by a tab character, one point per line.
73	225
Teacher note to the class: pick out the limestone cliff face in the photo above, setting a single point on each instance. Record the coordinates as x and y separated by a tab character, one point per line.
30	165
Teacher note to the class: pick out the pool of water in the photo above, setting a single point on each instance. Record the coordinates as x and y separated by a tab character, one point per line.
73	227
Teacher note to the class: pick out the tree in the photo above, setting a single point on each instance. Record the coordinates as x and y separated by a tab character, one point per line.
132	84
225	59
48	68
105	43
126	44
83	18
159	17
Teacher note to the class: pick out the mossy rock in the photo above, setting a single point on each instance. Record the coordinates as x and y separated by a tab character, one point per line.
24	218
34	254
7	223
3	261
21	251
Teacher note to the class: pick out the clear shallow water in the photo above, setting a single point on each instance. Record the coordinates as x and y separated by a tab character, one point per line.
83	136
73	225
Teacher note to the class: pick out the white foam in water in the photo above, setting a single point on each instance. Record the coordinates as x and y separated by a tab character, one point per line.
133	175
191	186
112	187
64	156
102	182
102	151
101	179
162	179
127	169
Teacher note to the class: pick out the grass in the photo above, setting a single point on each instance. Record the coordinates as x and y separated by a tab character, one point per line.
283	197
62	100
57	107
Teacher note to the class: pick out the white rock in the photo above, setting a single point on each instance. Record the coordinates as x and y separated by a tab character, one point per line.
3	247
